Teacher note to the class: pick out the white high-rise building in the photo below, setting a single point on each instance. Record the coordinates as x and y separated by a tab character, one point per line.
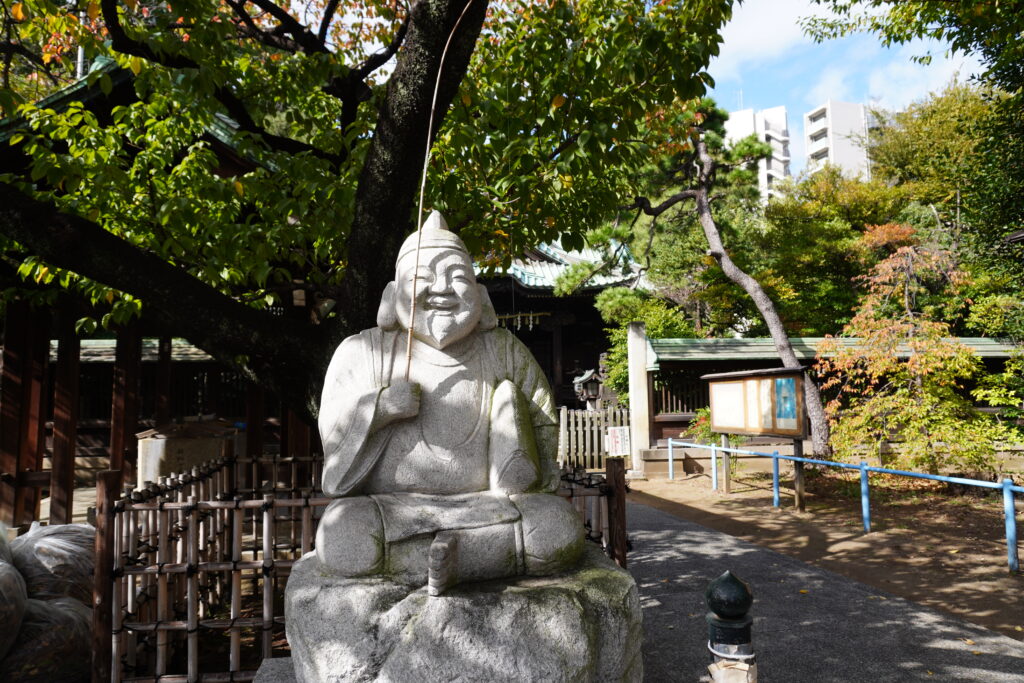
835	133
771	126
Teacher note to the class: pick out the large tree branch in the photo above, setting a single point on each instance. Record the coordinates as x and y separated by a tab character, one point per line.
289	24
644	204
121	42
390	177
763	302
10	48
247	28
351	88
381	57
287	358
236	109
325	21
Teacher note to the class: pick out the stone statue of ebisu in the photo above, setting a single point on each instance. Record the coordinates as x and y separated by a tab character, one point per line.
446	477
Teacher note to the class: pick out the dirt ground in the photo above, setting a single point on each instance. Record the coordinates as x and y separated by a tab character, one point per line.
929	545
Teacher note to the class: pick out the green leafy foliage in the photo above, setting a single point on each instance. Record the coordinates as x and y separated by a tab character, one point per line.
905	380
540	143
962	146
1005	390
620	306
550	128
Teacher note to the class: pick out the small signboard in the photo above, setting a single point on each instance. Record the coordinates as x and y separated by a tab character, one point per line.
617	441
758	402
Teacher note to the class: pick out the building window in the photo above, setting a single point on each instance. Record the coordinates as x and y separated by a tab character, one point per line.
819	135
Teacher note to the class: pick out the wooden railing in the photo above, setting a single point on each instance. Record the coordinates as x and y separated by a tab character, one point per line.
193	567
678	394
581	438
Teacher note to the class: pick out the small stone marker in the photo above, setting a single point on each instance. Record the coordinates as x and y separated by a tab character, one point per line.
729	639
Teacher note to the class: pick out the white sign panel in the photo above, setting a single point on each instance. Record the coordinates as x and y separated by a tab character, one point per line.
757	405
617	441
727	405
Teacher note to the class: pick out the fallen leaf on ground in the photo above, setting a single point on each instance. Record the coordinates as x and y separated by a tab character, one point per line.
802	590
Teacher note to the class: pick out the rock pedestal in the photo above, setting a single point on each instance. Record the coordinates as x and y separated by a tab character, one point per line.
583	625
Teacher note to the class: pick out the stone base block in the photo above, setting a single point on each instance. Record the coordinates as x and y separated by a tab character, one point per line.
278	670
584	625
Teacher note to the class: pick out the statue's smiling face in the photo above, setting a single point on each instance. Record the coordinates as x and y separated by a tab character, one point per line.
448	302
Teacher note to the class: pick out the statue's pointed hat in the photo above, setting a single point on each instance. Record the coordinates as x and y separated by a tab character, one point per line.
433	235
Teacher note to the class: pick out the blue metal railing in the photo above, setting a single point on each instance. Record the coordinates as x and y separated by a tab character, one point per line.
1006	485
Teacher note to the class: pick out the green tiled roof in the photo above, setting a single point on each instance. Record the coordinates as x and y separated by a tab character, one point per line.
763	348
102	351
541	269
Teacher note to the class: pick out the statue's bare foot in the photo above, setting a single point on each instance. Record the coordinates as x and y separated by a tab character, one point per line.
441	563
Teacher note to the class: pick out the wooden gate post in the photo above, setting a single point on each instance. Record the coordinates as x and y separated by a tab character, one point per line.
726	465
33	433
13	368
108	485
615	474
798	474
124	409
65	418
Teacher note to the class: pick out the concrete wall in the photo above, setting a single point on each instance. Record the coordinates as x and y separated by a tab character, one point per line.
771	126
837	137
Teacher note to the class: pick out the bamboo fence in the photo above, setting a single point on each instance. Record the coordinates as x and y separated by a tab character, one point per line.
193	567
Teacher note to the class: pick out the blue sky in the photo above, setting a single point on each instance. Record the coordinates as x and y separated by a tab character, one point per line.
767	61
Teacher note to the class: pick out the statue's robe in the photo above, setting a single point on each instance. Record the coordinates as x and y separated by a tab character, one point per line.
432	472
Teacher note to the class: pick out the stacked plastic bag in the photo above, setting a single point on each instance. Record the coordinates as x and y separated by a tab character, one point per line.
45	592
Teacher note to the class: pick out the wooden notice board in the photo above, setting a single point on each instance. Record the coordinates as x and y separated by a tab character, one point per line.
758	403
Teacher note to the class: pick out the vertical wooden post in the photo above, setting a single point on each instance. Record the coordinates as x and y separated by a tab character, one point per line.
269	539
192	607
65	418
255	414
726	462
124	409
108	485
235	655
286	419
33	433
298	436
556	357
798	474
163	381
615	474
13	368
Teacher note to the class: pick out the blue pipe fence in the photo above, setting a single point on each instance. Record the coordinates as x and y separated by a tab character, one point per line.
1006	485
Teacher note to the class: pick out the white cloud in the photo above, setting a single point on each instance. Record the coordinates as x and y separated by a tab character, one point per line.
760	30
833	83
901	81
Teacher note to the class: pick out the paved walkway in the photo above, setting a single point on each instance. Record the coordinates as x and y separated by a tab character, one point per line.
810	625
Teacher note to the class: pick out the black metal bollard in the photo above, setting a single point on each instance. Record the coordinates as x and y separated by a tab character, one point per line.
729	640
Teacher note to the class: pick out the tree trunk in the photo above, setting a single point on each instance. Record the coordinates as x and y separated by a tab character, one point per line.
765	306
